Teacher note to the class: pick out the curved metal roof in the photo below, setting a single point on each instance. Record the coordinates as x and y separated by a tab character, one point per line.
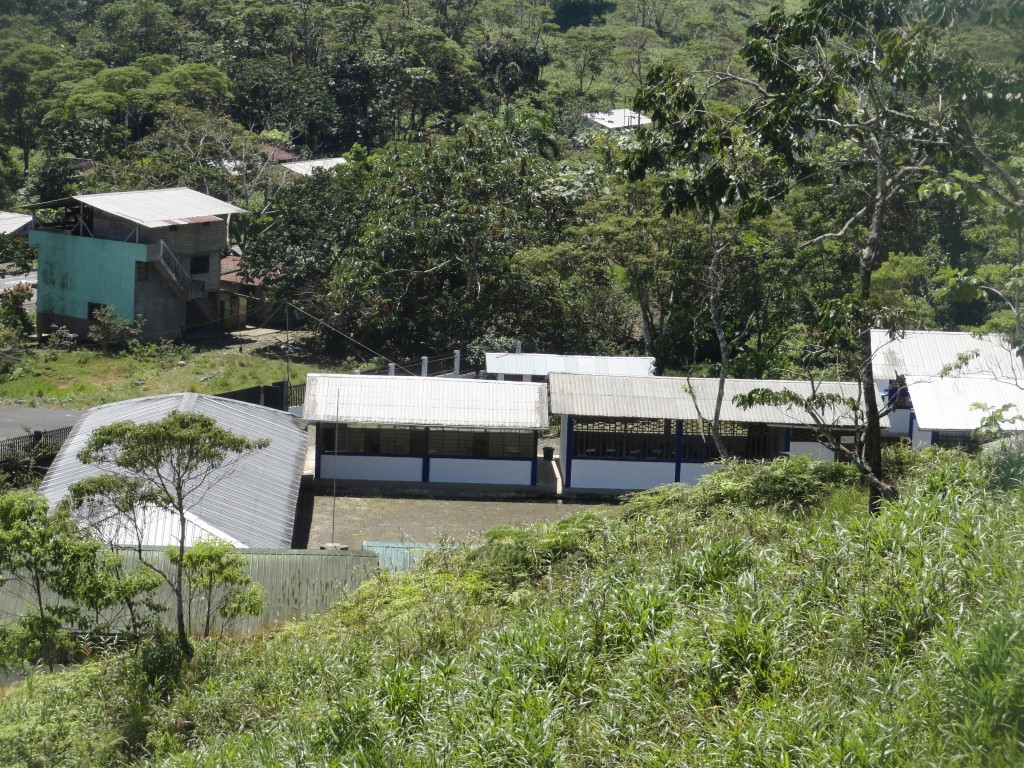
252	500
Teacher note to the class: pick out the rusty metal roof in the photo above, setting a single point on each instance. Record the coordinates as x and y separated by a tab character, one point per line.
421	401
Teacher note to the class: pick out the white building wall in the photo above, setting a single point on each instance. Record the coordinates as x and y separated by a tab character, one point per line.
622	475
814	450
899	422
563	445
489	471
921	439
691	473
387	468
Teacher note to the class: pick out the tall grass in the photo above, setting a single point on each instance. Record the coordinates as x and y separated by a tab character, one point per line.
760	618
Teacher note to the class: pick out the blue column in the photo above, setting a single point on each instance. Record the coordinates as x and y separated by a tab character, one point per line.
679	448
568	452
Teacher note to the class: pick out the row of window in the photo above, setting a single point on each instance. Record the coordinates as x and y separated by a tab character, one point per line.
655	439
423	441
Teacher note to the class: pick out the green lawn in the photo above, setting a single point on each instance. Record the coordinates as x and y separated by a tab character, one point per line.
84	378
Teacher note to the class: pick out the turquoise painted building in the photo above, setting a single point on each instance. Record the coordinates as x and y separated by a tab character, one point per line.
152	253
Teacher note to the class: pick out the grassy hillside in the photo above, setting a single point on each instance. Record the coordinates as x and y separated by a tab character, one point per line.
761	618
84	378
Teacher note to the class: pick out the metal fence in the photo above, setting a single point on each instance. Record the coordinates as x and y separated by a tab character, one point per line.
296	583
398	555
38	444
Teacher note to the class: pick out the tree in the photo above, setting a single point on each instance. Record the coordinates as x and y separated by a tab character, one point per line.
853	85
586	51
165	465
217	577
54	559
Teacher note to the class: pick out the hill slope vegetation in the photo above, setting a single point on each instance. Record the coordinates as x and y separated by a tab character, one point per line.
759	618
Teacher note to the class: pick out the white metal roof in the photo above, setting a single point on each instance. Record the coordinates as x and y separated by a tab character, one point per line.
618	119
155	527
307	167
670	397
535	364
251	502
153	208
942	353
12	222
423	401
948	403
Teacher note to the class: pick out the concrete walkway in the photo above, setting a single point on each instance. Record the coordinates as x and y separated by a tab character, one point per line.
16	422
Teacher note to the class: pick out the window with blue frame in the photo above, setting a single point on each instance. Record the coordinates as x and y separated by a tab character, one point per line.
638	439
388	440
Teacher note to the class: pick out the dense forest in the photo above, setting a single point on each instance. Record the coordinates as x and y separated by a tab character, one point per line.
797	156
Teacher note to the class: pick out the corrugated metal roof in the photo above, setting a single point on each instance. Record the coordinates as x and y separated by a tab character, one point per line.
932	353
669	397
946	403
618	118
152	208
534	364
252	500
12	222
306	167
422	401
295	583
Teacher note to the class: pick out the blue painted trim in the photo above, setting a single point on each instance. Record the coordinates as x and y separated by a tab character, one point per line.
789	435
679	449
316	461
569	447
425	456
425	476
635	459
533	471
910	432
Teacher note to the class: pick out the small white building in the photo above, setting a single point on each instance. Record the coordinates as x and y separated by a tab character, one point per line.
309	167
630	433
527	366
618	119
425	430
943	382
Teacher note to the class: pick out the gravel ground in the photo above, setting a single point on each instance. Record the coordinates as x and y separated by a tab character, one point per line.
359	519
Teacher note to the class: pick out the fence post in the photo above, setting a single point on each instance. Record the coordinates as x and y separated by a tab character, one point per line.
391	369
458	362
424	366
519	347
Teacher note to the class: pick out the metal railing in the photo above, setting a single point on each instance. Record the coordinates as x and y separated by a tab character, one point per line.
192	289
39	444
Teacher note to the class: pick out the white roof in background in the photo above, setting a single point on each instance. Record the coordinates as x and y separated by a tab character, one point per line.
306	167
671	397
423	401
534	364
153	208
618	119
12	222
251	502
943	353
947	403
